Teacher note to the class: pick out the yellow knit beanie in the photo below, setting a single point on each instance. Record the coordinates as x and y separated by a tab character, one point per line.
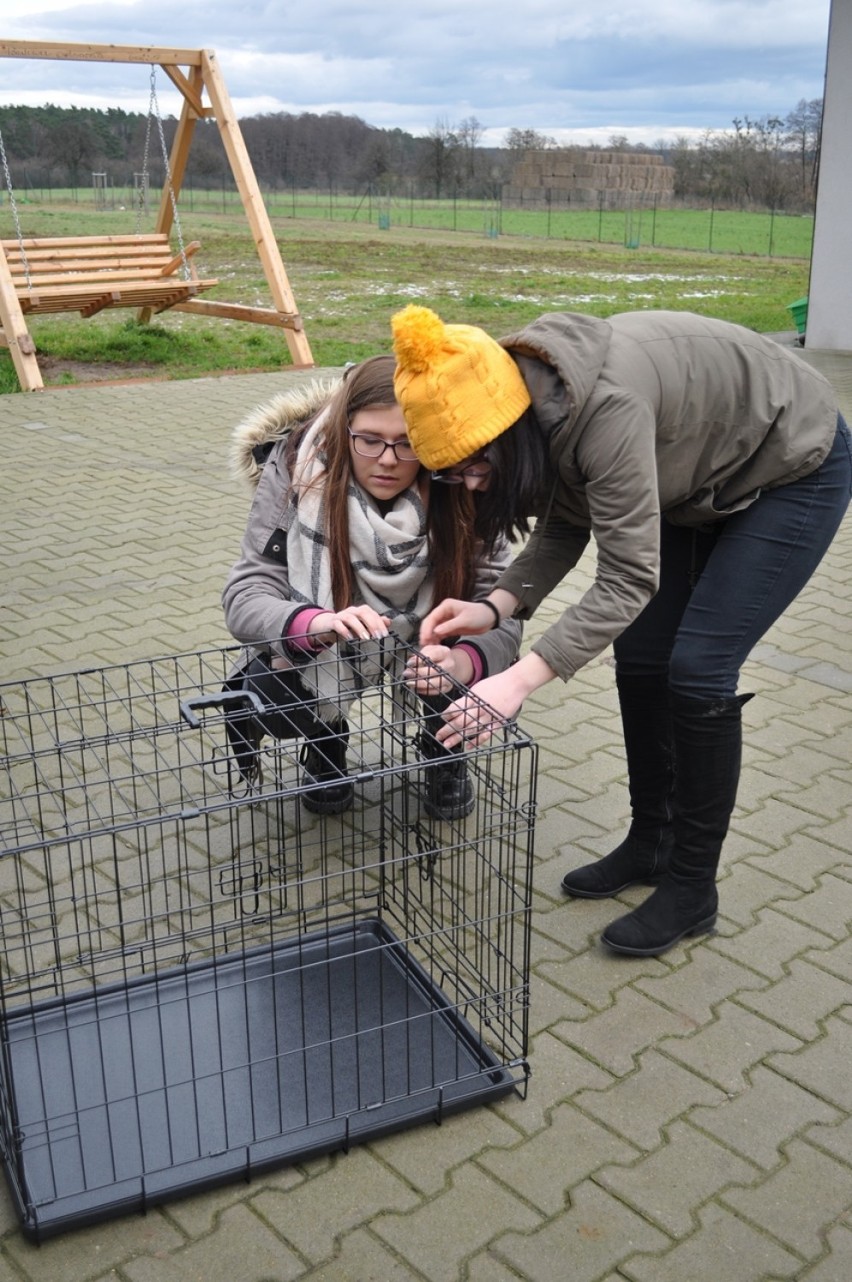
458	387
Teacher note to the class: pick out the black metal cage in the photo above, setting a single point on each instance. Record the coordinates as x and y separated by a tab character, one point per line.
202	977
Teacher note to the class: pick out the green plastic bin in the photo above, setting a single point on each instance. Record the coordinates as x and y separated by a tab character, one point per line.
799	312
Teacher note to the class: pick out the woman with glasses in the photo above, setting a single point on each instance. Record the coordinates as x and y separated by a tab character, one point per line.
712	469
348	540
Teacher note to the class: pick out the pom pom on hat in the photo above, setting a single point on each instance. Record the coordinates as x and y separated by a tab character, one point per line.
418	336
457	386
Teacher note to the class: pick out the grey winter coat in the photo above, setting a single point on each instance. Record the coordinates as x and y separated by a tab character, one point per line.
649	413
256	597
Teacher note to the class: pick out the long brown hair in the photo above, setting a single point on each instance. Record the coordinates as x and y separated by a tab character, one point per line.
450	511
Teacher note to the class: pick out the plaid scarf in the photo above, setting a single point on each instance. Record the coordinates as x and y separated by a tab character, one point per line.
388	552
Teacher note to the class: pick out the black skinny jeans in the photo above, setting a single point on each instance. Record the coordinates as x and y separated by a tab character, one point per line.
722	588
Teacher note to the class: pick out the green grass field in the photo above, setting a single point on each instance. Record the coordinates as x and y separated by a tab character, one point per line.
350	276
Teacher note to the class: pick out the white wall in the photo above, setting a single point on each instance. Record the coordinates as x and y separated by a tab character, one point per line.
830	294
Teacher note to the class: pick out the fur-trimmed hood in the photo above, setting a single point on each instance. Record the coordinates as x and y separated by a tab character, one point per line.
268	423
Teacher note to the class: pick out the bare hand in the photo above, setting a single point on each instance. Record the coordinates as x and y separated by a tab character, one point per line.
355	623
423	678
468	722
452	618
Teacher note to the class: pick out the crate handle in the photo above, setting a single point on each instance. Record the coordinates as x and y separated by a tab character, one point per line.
219	699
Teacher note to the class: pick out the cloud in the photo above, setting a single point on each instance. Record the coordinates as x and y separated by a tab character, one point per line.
572	69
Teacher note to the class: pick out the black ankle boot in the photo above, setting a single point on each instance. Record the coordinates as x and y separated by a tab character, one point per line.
324	762
449	792
674	909
634	861
643	855
708	750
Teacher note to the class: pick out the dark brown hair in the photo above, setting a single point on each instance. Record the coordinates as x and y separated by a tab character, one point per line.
450	510
520	479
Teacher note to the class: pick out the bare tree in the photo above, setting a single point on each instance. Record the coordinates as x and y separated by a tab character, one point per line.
804	129
528	140
469	134
439	157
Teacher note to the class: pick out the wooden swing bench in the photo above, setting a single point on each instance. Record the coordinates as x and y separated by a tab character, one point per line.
88	274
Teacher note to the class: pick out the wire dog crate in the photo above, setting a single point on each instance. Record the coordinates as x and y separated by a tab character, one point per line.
200	979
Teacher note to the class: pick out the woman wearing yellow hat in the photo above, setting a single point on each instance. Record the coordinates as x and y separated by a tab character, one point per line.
712	469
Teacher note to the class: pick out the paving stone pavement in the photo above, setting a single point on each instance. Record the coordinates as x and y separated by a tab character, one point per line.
689	1118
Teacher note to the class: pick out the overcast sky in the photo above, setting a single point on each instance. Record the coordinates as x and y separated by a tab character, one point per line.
579	70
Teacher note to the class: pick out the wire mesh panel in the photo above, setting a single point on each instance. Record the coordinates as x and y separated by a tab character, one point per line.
213	964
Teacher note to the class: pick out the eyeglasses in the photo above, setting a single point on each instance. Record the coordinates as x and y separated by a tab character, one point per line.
375	446
476	471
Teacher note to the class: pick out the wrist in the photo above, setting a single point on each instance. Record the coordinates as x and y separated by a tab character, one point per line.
533	672
497	620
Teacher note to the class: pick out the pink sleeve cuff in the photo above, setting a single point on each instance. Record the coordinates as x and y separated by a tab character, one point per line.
476	659
296	634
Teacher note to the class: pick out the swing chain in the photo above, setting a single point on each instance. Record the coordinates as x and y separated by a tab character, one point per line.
142	193
154	112
15	214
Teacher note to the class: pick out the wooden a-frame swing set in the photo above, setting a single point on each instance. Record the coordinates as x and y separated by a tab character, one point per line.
91	273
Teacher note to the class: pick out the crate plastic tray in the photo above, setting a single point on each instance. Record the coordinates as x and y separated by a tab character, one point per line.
191	1078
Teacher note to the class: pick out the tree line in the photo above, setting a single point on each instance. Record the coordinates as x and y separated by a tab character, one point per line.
771	162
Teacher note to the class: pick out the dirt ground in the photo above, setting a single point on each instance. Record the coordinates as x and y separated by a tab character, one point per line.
58	373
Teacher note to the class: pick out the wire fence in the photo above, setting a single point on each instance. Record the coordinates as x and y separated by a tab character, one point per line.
632	220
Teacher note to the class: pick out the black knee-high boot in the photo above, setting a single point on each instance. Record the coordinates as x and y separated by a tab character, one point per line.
644	853
707	737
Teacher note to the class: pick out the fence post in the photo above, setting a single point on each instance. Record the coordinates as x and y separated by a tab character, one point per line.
771	230
710	237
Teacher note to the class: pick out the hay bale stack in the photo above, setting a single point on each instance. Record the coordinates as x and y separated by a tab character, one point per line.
569	176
